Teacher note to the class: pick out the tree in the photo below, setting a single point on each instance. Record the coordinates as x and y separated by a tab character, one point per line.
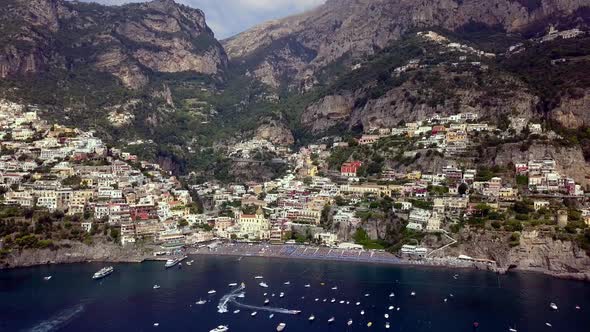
463	188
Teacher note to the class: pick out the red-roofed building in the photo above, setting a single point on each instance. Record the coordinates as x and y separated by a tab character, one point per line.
350	168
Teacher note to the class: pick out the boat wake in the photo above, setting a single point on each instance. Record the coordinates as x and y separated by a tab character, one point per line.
232	297
58	321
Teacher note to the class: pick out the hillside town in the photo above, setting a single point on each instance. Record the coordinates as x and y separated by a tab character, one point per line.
47	166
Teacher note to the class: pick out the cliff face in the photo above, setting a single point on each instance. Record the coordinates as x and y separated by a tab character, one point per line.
130	42
352	29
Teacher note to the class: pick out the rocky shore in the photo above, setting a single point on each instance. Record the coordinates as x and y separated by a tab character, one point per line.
76	253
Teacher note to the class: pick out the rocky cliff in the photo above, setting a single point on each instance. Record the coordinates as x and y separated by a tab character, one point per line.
344	29
130	42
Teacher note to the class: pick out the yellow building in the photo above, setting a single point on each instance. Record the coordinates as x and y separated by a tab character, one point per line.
254	226
456	136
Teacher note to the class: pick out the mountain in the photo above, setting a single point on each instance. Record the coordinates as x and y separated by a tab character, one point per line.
152	78
130	42
299	47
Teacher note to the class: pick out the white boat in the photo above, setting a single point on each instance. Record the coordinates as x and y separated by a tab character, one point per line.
253	314
316	299
331	319
233	284
200	302
189	263
236	311
386	325
174	261
334	288
156	324
549	324
281	294
324	300
358	303
307	285
349	322
362	312
413	294
390	307
512	329
258	277
281	327
266	301
287	283
391	295
47	278
341	301
333	300
105	271
311	318
263	284
369	324
397	308
156	286
271	316
220	328
445	299
386	315
578	307
265	294
553	306
213	291
366	295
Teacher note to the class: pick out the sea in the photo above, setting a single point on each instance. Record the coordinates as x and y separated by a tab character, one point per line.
413	298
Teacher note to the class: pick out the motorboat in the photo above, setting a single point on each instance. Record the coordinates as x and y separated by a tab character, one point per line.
369	324
553	306
271	316
334	288
333	300
413	294
386	325
156	286
311	318
174	261
358	303
47	278
512	329
386	316
263	284
281	327
237	311
307	285
349	322
362	312
287	283
258	277
391	307
200	302
253	313
103	273
233	284
213	291
367	295
220	328
549	324
391	295
266	301
341	302
281	294
331	320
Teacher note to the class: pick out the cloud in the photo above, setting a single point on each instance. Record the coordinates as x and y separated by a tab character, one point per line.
229	17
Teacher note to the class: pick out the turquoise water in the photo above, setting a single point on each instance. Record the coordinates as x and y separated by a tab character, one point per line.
126	300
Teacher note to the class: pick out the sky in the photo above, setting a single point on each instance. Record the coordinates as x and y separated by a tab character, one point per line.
229	17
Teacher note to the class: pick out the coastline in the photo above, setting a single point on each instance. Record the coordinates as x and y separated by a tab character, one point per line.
109	253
